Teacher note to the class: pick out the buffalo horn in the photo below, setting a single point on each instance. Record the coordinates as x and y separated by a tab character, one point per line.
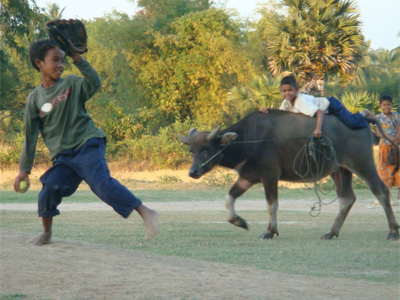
212	134
192	132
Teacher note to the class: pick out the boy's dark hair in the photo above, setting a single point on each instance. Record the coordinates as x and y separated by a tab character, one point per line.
39	49
289	80
386	98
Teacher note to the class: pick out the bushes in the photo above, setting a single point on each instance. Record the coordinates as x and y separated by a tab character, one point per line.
328	185
8	156
11	150
220	178
163	150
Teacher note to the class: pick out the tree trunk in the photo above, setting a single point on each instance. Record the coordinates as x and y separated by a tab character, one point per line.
314	87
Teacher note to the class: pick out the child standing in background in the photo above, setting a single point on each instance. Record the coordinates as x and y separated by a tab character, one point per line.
390	122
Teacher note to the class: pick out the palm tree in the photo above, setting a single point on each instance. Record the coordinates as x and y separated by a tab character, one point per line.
384	72
396	53
388	60
53	10
261	91
358	101
367	59
316	39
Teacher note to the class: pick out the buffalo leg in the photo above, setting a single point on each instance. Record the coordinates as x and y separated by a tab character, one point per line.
271	193
240	186
344	190
382	193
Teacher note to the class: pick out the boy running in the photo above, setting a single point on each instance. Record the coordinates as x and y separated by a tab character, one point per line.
56	109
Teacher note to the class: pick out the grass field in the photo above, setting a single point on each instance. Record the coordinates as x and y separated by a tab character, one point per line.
361	252
167	195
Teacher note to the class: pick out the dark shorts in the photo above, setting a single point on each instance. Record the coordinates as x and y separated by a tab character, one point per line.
354	121
86	163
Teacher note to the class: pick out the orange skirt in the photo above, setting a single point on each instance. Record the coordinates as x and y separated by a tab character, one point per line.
384	170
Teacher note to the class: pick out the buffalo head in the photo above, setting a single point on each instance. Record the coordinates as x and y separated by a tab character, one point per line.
206	148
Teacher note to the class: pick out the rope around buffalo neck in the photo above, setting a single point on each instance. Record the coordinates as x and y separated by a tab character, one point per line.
247	142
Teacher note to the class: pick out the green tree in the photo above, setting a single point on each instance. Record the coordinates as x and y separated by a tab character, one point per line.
189	71
20	18
261	91
256	44
314	40
54	12
117	44
357	101
367	58
20	23
384	72
120	107
163	12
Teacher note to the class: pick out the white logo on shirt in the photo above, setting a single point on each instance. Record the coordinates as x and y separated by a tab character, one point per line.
47	107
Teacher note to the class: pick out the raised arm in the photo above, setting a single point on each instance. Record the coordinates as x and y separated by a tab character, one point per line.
90	82
76	58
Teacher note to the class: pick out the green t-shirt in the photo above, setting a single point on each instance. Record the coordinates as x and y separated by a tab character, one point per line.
60	115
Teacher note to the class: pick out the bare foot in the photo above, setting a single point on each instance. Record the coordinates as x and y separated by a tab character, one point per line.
151	223
150	219
41	239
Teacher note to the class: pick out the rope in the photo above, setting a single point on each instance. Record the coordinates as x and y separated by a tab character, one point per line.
247	142
312	158
212	157
271	140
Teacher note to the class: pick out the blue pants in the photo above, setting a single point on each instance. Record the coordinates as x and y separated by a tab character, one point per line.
87	163
353	121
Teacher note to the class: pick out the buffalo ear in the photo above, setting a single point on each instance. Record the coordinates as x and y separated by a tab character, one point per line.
184	139
228	138
212	134
192	132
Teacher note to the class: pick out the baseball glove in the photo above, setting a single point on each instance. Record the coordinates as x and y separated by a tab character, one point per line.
69	35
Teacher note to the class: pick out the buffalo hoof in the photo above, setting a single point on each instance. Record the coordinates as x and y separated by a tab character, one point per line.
393	236
266	236
238	221
329	236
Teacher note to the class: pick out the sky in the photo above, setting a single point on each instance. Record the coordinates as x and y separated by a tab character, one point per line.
380	18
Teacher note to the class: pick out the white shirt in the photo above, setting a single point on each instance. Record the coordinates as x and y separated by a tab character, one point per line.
306	104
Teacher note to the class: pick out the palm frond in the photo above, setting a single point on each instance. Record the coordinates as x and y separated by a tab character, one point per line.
357	101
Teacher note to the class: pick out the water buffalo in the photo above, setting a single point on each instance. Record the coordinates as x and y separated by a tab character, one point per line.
262	149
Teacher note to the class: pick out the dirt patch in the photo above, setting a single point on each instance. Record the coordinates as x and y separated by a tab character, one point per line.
74	270
156	179
365	206
70	270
